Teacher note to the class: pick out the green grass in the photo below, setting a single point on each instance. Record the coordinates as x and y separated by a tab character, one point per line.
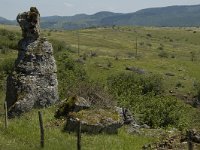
23	133
108	43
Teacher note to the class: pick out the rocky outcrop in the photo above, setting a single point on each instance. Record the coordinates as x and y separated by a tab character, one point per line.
33	83
125	115
95	121
30	23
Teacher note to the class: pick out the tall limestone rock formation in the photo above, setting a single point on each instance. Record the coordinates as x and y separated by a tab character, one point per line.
33	83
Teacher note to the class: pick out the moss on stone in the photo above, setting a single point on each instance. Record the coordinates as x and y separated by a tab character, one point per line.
66	107
96	116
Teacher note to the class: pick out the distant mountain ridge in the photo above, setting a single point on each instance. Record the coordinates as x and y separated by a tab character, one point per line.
171	16
76	21
5	21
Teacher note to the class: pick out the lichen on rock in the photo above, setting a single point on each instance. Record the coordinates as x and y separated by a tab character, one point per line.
95	121
29	23
33	83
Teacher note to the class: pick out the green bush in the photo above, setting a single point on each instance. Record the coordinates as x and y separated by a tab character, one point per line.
142	95
152	84
9	39
58	45
49	34
164	112
12	36
129	86
4	32
69	73
7	65
134	84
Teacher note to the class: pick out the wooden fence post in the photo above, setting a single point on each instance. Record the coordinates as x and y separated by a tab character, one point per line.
41	129
78	42
6	114
190	144
136	47
79	135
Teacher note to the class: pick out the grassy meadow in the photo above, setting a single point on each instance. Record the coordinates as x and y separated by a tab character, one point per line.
177	44
173	53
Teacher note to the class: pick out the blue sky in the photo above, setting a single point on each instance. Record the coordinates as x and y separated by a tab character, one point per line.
10	8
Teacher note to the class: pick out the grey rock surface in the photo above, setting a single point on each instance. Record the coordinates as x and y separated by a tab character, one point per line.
126	115
33	83
81	104
30	23
194	136
136	70
95	122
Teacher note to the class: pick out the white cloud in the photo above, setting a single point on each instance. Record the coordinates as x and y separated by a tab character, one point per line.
68	4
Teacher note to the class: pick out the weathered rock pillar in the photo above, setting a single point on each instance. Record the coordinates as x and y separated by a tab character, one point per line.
33	83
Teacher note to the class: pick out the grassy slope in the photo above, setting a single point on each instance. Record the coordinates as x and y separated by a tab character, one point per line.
23	133
107	43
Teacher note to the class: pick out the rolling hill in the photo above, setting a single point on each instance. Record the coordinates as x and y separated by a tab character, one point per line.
77	21
171	16
6	21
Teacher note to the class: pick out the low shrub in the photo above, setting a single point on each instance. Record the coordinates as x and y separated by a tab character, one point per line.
165	112
95	93
58	45
69	73
143	95
9	39
7	65
134	84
